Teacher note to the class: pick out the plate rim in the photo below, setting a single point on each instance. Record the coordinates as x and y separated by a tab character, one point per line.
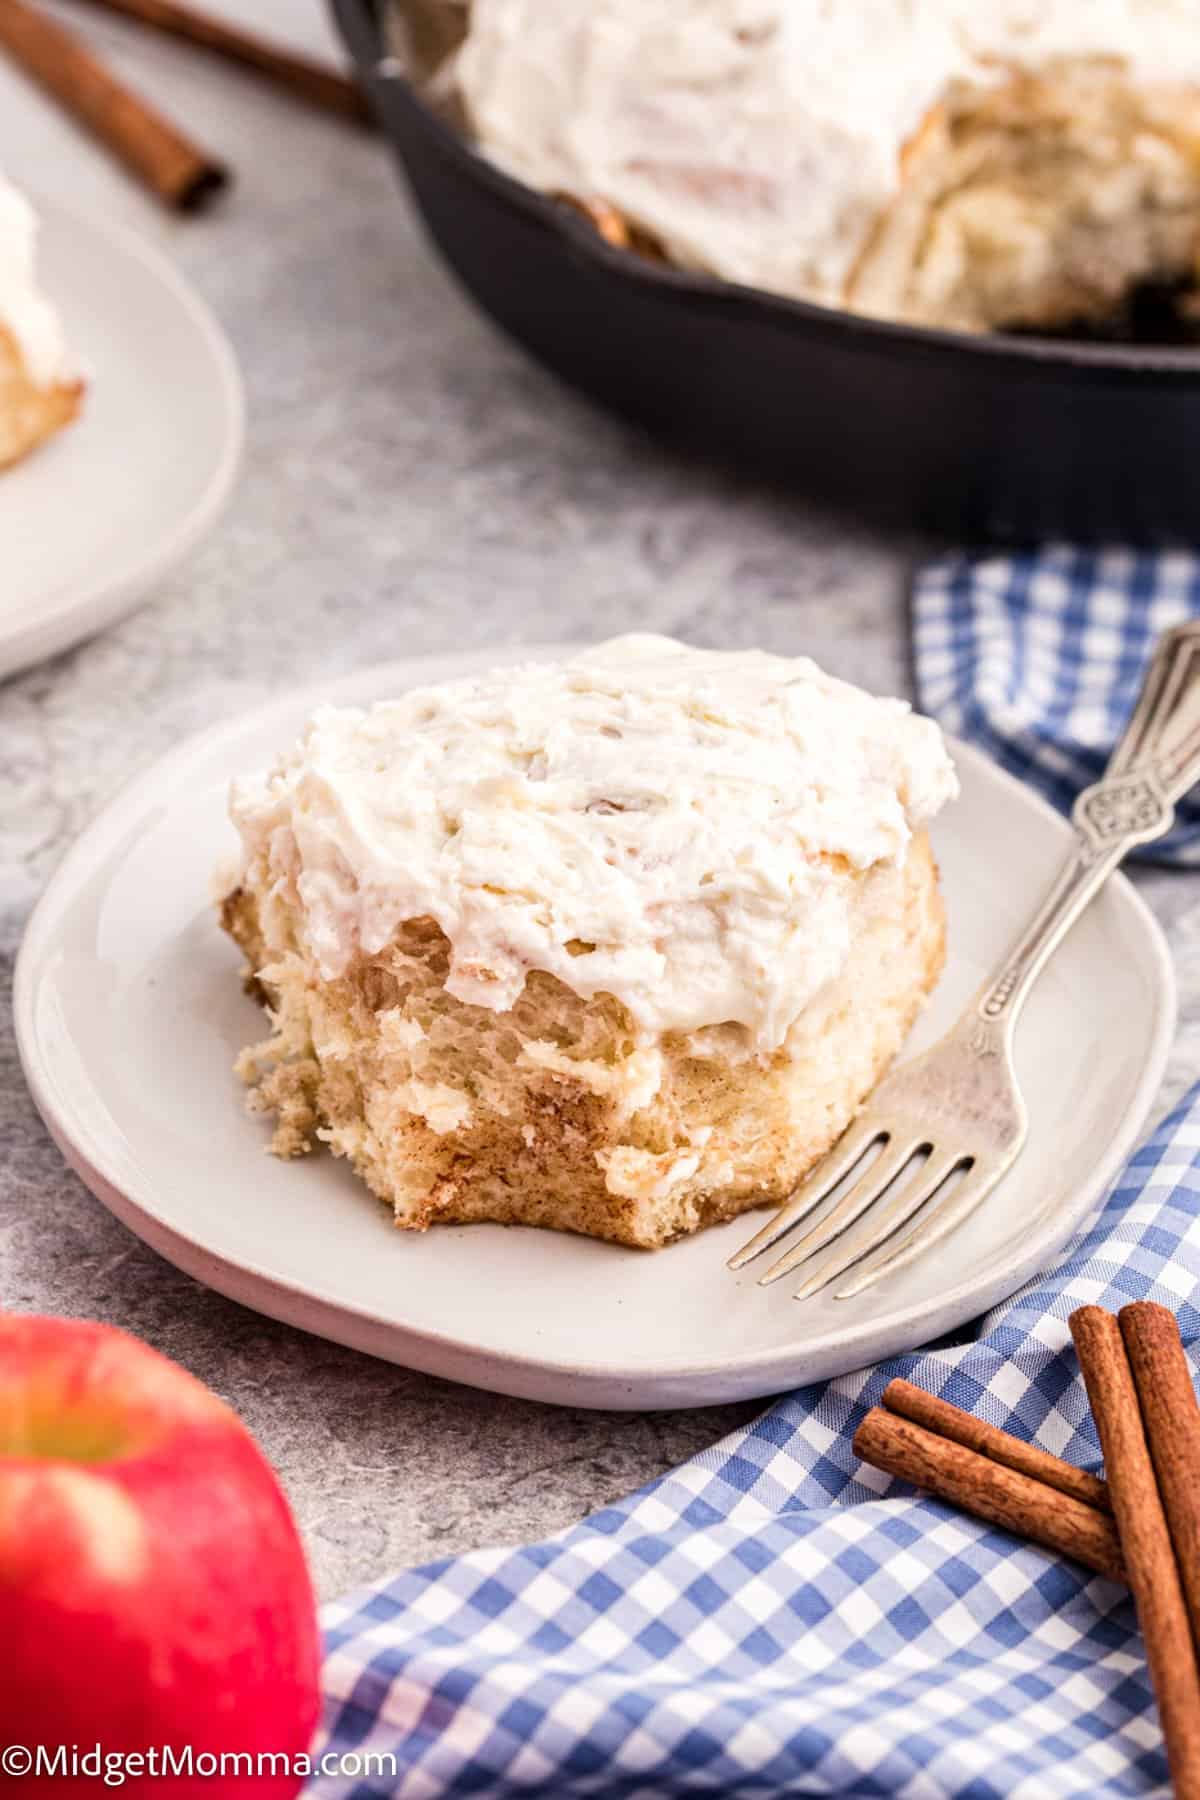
100	600
432	1350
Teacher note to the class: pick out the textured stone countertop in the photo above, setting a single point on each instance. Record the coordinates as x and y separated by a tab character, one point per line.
411	483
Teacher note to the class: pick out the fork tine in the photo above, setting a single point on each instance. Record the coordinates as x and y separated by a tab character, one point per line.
849	1149
885	1219
866	1190
942	1220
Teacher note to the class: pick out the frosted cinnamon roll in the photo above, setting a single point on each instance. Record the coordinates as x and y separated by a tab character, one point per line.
942	162
616	945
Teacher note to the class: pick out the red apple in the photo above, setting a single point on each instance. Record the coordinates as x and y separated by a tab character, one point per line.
153	1589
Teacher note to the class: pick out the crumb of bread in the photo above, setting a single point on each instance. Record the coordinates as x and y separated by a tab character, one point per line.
30	414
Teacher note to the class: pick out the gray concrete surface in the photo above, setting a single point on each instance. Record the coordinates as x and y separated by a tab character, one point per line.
411	482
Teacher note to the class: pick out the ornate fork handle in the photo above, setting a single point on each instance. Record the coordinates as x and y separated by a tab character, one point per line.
1152	767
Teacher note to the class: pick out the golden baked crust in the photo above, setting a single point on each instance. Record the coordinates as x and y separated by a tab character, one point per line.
556	1113
29	414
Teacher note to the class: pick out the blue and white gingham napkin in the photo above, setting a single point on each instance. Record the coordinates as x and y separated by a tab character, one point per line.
1037	659
762	1622
773	1617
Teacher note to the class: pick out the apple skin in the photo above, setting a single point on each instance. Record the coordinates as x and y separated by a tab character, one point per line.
153	1588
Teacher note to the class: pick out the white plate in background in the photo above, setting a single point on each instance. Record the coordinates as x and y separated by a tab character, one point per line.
96	518
130	1013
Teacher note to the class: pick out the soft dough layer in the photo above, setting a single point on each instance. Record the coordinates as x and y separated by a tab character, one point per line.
1042	204
559	1112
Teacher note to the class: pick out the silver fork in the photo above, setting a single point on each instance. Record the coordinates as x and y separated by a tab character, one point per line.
941	1130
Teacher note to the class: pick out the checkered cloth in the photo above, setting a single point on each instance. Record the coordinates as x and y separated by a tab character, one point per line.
1038	659
773	1617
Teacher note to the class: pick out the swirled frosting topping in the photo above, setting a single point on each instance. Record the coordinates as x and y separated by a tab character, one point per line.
680	828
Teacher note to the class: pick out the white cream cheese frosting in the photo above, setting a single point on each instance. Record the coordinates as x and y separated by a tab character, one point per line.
675	827
24	310
762	139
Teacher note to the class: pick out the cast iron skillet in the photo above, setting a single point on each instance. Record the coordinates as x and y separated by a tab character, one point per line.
1000	437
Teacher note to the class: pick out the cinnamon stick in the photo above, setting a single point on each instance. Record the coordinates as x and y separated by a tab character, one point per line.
1172	1419
299	75
177	170
947	1421
990	1490
1145	1541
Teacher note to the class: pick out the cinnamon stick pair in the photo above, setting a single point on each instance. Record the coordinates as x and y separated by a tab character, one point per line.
178	171
1142	1525
172	166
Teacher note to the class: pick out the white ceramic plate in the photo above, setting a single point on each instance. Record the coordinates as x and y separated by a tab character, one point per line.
129	1015
94	520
